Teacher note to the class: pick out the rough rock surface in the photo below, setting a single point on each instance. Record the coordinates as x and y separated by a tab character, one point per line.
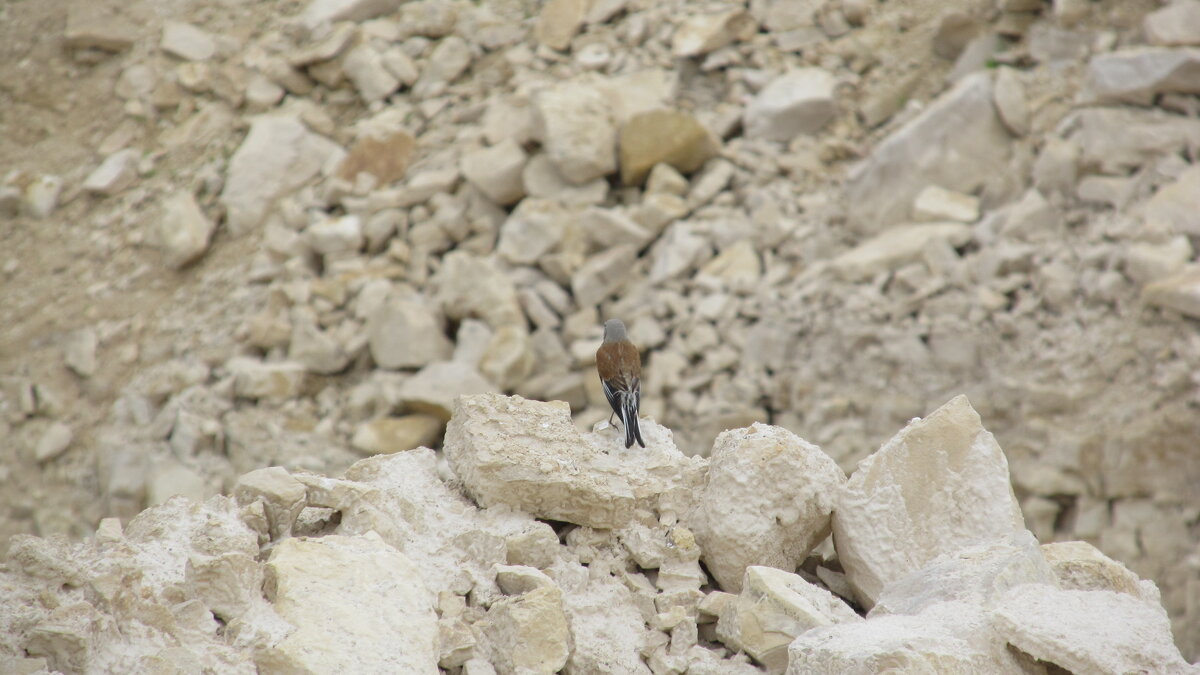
765	501
938	486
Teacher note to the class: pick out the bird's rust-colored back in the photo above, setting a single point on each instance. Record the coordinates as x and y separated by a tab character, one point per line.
619	363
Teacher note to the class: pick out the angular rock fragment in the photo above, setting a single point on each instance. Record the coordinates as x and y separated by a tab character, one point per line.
435	388
387	435
386	157
526	631
348	598
1138	74
1179	292
666	137
1088	631
545	469
797	102
574	122
766	501
937	487
278	156
276	381
957	142
184	230
187	41
773	608
1175	24
497	171
117	172
405	331
558	22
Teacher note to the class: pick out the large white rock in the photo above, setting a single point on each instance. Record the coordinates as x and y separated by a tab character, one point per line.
937	487
435	388
774	608
1120	140
279	155
532	230
947	639
1138	74
406	332
530	455
765	501
574	122
798	102
1089	631
958	142
349	598
469	286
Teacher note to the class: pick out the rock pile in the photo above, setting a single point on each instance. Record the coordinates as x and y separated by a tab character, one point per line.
295	239
527	546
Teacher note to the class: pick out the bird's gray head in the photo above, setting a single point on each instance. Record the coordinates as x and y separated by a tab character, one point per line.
614	330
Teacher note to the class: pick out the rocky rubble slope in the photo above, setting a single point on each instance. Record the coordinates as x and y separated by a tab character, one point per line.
527	546
242	235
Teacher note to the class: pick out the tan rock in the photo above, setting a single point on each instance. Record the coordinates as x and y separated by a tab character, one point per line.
434	388
664	137
386	158
558	22
1179	292
702	33
387	435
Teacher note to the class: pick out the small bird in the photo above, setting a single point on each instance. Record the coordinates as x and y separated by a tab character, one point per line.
620	368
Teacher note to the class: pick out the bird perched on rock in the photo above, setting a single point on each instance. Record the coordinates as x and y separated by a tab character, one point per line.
620	367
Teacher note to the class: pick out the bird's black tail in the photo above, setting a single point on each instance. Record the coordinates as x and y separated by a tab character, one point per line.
629	417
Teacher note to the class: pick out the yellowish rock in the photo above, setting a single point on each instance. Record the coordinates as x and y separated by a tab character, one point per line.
664	137
387	435
559	21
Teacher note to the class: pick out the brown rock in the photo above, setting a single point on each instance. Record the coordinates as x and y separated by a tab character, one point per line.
559	21
664	137
387	435
386	158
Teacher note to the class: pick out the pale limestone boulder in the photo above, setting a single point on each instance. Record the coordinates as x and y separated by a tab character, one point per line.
109	629
798	102
508	357
1147	262
937	487
1079	566
1138	74
283	497
609	227
773	608
896	247
434	389
574	122
278	156
276	380
525	632
765	501
386	435
497	171
978	575
532	230
1176	206
530	455
946	639
958	142
469	286
1089	631
1120	140
348	599
1011	102
183	231
406	331
365	68
1175	24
